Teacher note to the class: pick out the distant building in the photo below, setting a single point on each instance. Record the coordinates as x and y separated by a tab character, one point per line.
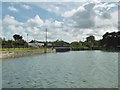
49	44
36	44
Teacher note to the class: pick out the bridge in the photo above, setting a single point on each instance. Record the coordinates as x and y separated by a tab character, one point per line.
62	48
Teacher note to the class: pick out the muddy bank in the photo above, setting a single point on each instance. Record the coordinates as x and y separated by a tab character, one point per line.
14	54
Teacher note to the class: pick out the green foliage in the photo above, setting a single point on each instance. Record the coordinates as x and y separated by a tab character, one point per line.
90	39
91	43
111	40
78	46
60	43
18	42
19	49
17	37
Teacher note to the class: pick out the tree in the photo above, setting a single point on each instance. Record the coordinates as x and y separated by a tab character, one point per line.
17	37
90	41
19	42
111	40
60	43
75	45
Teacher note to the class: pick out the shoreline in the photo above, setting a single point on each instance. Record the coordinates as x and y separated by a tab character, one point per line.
22	53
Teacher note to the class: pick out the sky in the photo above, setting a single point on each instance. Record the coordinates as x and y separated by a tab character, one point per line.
68	21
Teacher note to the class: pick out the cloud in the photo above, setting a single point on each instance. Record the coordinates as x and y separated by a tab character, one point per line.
101	22
57	8
69	13
14	27
50	7
78	22
119	14
36	21
84	18
104	9
53	8
106	15
10	20
47	23
53	23
106	6
33	26
27	7
55	31
57	24
87	15
12	8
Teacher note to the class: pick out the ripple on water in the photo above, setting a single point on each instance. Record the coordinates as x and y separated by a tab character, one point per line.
19	83
48	82
40	84
60	74
72	82
70	73
65	80
17	78
34	85
27	81
9	82
40	72
84	81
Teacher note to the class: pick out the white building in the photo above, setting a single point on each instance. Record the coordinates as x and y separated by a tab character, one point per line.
36	44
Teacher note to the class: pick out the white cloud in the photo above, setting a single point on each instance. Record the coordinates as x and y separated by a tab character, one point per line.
10	20
27	7
81	17
33	26
105	7
78	23
47	23
69	13
57	24
16	29
12	8
73	11
53	23
52	8
57	8
36	21
92	21
84	18
12	26
87	15
111	22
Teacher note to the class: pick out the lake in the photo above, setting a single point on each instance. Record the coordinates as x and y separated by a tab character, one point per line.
74	69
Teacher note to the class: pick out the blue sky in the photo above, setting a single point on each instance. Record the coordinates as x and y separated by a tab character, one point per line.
69	21
22	14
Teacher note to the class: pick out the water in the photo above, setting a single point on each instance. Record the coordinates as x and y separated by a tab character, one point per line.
75	69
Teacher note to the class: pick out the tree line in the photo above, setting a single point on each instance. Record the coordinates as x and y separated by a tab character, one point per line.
18	42
109	41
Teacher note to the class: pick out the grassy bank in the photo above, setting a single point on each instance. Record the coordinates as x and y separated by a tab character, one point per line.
19	49
20	52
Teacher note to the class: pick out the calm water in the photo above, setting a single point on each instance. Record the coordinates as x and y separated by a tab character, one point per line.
75	69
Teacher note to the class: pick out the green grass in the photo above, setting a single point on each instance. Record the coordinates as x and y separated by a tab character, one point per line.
19	49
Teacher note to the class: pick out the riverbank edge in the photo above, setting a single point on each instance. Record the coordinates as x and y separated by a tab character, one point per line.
22	53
